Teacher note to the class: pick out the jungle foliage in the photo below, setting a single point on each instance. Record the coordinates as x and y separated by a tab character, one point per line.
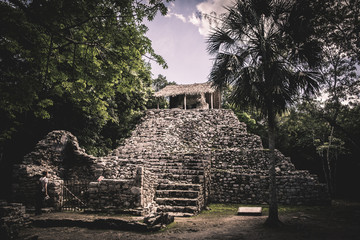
321	132
75	65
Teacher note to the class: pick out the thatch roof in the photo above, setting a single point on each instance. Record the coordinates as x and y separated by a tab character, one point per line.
188	89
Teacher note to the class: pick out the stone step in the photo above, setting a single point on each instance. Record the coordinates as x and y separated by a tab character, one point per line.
176	168
179	186
177	201
181	214
177	194
186	171
182	178
171	162
178	209
175	162
177	174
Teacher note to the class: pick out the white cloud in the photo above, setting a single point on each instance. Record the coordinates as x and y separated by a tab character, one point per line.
180	16
195	20
176	15
170	8
208	7
217	6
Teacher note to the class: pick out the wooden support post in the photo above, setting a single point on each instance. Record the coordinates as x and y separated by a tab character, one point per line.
185	101
219	99
158	99
212	100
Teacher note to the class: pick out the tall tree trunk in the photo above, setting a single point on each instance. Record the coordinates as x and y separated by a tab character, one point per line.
273	218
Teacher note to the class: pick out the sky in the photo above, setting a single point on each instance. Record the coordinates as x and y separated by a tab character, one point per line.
180	38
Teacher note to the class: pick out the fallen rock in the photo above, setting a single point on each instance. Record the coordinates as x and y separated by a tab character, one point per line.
162	218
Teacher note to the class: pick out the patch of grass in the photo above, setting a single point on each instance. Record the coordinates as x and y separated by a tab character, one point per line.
231	209
219	209
223	209
168	227
292	209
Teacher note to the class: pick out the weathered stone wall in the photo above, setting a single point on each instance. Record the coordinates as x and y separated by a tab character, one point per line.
148	187
244	158
59	154
114	167
26	187
55	190
218	135
252	187
13	217
177	145
114	195
124	195
201	200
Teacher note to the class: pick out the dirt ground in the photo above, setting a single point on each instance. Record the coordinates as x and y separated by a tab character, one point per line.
339	221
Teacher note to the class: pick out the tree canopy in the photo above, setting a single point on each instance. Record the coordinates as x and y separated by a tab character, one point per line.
81	59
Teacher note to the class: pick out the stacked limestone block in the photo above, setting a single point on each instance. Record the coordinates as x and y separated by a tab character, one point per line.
179	142
251	187
247	158
149	183
12	218
59	154
114	195
169	131
213	148
134	195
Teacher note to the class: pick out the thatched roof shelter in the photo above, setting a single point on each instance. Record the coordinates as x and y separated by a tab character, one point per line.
188	96
186	89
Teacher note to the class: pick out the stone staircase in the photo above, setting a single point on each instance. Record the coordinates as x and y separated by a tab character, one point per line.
187	148
179	199
176	146
181	170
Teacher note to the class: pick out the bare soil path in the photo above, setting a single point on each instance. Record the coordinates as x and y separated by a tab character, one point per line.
339	221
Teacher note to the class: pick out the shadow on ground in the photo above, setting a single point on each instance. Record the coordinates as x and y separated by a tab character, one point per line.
339	221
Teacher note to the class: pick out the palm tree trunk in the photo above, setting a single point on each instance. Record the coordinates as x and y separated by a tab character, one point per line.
273	218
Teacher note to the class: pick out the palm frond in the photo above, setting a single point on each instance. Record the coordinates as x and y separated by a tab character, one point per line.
260	57
219	38
219	75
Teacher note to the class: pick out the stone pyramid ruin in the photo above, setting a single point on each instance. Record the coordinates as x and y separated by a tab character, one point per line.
175	161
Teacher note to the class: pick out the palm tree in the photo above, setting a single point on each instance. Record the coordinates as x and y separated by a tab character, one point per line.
265	50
